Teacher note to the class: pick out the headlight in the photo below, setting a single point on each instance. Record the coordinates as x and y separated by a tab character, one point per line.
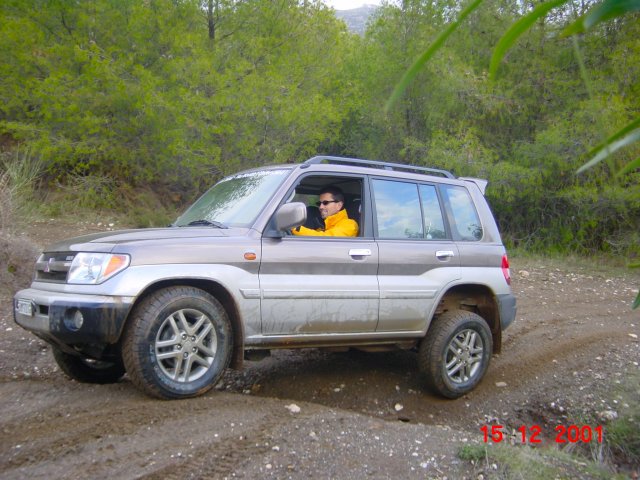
93	268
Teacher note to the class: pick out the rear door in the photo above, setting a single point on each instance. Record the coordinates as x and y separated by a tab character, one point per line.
417	257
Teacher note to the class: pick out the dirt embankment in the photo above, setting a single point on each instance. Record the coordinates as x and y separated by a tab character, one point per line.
309	413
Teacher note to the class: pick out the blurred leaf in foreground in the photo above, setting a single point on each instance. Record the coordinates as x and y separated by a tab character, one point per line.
607	10
419	64
516	30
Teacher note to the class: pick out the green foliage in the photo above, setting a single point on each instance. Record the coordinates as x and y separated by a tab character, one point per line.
91	192
517	29
137	91
602	12
624	438
420	62
623	137
473	453
139	106
19	175
518	461
587	231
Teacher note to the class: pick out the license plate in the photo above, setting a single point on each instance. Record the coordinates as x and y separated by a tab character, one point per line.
25	307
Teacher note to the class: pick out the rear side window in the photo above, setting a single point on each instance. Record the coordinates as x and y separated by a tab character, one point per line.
408	210
465	223
398	212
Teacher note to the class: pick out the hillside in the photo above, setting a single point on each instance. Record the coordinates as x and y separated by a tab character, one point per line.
356	18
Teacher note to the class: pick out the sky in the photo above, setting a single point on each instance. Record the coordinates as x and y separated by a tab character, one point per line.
348	4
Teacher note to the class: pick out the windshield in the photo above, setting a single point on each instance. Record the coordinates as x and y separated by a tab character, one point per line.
234	201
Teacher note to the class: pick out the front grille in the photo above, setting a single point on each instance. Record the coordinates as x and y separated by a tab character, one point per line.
53	267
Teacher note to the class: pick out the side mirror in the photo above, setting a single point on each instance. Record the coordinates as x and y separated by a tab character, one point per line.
290	215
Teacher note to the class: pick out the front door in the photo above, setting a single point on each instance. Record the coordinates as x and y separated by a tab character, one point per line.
317	285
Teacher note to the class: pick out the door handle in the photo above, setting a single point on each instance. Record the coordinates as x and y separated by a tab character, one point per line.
360	252
444	254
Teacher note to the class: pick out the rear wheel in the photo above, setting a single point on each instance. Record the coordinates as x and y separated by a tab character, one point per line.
178	343
87	370
455	353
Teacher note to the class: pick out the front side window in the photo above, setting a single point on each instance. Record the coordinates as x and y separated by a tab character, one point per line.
398	212
234	201
465	223
310	192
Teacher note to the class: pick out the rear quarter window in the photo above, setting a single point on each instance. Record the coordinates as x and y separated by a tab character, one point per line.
464	219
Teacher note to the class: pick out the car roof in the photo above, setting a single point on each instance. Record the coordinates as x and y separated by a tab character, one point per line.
332	164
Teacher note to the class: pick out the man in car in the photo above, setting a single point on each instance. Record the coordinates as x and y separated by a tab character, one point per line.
336	221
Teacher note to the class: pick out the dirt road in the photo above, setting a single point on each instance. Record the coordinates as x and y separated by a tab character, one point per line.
301	414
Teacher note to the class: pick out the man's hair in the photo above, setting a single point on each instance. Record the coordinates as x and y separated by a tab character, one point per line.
335	192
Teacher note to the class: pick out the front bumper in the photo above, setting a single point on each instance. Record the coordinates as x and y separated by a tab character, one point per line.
50	313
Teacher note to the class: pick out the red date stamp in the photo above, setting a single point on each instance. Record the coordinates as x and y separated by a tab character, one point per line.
532	434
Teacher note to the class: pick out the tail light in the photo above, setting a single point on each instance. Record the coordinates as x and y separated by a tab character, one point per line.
505	269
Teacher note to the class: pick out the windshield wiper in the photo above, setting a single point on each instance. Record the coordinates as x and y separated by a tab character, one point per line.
210	223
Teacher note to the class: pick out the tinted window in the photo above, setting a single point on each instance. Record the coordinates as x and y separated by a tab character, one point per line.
465	223
433	222
398	213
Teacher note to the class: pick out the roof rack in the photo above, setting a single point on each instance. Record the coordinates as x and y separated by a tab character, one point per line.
378	164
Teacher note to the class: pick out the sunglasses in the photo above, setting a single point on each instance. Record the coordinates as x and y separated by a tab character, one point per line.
326	202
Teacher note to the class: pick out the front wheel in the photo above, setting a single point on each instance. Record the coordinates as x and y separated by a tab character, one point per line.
455	353
178	343
87	370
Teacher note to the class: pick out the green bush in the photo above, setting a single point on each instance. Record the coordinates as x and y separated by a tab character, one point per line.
19	174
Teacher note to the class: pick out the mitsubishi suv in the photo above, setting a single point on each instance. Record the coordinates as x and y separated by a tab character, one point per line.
174	307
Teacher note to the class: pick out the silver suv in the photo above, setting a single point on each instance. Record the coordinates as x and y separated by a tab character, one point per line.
174	307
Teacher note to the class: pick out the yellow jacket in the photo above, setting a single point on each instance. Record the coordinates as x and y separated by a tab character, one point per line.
336	225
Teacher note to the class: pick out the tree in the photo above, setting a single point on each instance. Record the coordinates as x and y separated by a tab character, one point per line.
139	92
603	11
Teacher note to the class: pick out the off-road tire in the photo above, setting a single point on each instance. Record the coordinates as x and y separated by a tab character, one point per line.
86	370
456	352
177	343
